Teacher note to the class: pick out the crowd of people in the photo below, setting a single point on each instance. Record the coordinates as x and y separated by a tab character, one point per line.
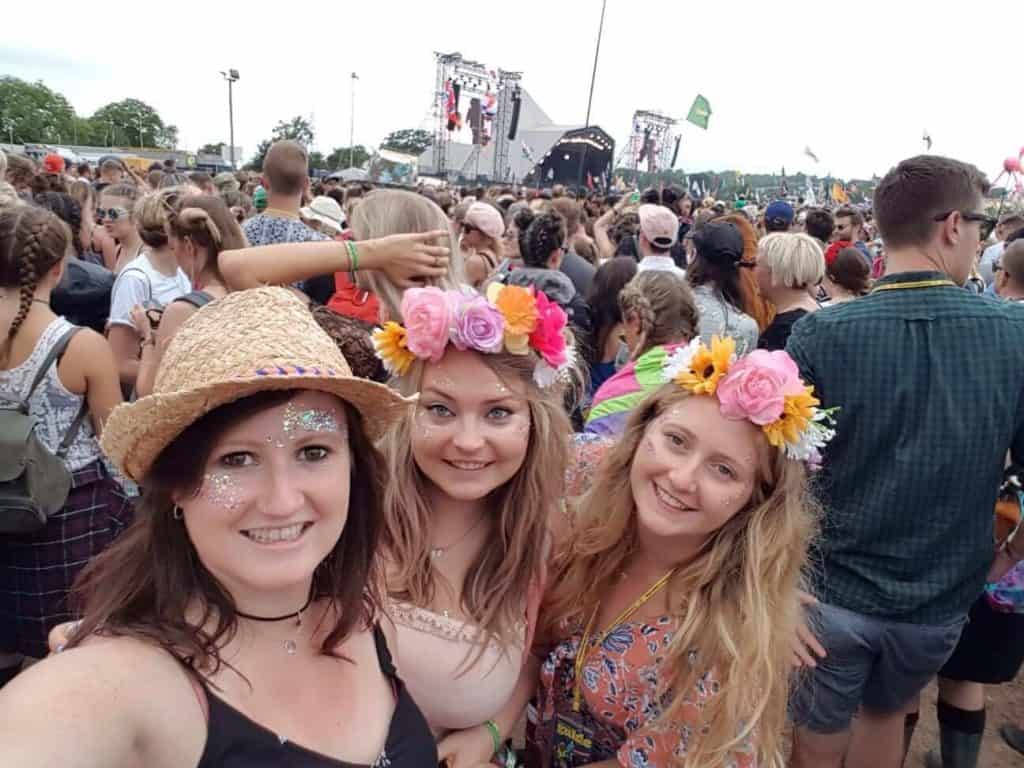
310	473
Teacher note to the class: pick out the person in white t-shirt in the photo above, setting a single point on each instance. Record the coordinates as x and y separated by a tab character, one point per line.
659	228
1008	224
151	280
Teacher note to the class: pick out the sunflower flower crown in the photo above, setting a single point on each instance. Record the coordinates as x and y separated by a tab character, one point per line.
763	387
509	318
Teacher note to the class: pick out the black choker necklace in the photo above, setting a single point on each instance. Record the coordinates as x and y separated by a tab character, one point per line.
293	615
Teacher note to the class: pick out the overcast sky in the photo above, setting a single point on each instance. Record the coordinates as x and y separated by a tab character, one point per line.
858	82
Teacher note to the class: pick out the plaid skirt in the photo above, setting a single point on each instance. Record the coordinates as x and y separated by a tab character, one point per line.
38	569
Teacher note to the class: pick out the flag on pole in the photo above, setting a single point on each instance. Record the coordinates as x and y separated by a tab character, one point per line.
838	193
927	139
814	157
700	112
527	152
355	76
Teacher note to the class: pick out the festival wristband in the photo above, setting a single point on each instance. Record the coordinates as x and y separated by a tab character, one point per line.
353	256
492	728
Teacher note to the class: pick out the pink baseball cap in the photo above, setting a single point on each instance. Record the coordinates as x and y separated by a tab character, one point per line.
659	225
485	218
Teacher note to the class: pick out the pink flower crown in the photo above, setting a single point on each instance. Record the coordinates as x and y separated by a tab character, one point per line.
763	387
509	318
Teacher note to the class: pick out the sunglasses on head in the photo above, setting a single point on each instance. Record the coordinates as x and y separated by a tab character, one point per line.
986	223
111	213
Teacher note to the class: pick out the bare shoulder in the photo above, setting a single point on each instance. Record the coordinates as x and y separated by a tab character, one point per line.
100	709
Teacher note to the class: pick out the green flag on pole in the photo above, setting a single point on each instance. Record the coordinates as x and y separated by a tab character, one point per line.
700	112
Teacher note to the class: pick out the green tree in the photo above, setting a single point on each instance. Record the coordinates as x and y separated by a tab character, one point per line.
134	123
31	112
316	160
348	157
411	141
297	129
211	149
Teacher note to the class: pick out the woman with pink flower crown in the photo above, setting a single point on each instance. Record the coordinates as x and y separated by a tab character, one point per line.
475	476
667	631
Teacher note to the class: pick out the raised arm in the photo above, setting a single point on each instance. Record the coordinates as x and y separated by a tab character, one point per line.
403	259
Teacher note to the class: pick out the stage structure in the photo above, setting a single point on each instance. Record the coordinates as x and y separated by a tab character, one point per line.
651	142
510	138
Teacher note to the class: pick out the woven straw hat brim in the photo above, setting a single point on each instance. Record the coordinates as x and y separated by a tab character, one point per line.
136	433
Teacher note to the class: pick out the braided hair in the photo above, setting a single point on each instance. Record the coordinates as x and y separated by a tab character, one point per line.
32	241
68	210
664	304
545	233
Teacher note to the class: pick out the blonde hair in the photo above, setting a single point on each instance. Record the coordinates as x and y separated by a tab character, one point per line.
795	259
735	603
386	212
152	213
495	592
665	306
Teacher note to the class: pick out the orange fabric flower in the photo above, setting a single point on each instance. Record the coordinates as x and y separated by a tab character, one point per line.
519	307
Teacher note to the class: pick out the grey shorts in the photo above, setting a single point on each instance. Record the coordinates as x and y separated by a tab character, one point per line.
872	662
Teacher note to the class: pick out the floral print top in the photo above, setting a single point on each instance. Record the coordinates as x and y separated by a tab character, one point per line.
619	700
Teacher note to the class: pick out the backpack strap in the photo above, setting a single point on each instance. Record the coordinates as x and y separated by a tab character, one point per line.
149	283
53	356
197	299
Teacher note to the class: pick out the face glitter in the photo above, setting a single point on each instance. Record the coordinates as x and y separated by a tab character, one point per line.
310	420
222	489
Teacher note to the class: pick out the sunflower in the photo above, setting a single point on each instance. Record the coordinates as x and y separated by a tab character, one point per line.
390	345
796	414
708	366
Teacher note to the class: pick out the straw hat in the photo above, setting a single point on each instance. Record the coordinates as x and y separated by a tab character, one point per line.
250	341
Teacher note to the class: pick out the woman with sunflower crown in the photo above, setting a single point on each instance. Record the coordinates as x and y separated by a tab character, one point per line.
694	536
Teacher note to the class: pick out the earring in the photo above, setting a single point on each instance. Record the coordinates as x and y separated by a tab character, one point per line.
176	513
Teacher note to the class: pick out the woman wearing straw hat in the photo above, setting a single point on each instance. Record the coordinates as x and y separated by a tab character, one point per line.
245	594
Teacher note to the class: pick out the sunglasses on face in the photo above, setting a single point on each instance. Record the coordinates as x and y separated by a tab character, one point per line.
111	213
986	223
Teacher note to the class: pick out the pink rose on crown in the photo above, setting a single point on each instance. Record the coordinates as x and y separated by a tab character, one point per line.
756	386
427	315
478	325
548	338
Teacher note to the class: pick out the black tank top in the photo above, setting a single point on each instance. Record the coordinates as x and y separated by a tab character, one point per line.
235	741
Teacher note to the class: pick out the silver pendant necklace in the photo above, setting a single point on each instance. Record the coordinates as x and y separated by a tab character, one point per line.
436	553
290	646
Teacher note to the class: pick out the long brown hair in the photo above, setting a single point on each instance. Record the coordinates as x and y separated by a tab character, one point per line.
735	603
751	300
499	579
143	584
32	241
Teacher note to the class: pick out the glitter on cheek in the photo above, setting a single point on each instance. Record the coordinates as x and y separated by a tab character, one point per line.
222	490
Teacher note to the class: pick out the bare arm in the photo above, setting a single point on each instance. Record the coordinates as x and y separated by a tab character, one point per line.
91	708
124	341
176	313
404	259
102	386
605	246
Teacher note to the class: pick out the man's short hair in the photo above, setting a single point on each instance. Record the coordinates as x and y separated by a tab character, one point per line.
913	193
569	210
109	166
846	212
1012	220
819	224
1012	262
286	167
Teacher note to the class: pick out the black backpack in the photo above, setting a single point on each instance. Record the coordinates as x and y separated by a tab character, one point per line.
34	483
83	294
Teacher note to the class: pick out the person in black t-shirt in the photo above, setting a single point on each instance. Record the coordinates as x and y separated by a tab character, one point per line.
789	268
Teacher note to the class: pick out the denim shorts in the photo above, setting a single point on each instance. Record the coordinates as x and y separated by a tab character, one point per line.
872	662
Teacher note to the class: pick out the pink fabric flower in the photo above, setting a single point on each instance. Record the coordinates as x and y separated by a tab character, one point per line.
756	386
427	315
478	325
548	338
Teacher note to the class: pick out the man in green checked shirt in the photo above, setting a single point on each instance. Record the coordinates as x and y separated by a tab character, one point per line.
929	382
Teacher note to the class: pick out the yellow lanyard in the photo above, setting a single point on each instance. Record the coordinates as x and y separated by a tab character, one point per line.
583	652
913	284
